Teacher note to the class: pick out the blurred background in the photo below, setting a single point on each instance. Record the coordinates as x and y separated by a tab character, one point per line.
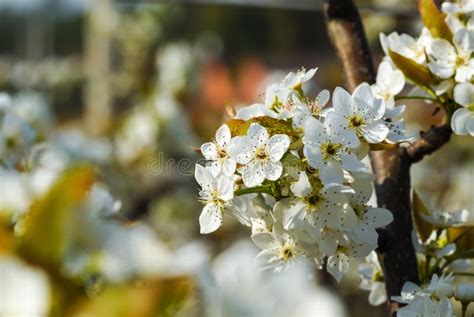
107	102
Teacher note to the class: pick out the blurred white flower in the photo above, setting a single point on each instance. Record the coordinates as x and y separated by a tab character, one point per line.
233	288
448	60
464	293
462	121
24	291
372	279
389	83
425	306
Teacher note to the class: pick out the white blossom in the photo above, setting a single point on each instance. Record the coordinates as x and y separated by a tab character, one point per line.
449	60
280	250
339	262
426	307
309	108
218	152
260	154
464	293
362	113
372	279
327	147
462	121
388	84
369	218
215	193
406	45
296	80
430	300
318	208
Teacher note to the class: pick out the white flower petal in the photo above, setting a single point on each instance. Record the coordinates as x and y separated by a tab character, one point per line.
378	217
375	132
203	176
277	146
253	174
258	133
314	156
337	265
273	170
470	124
225	187
228	167
241	149
314	132
459	121
363	92
302	187
209	150
263	240
266	260
464	94
442	51
441	69
331	172
223	135
252	111
323	97
350	162
378	294
210	219
342	101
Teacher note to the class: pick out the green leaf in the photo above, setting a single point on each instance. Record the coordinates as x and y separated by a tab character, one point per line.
273	126
153	297
434	20
50	219
423	227
464	239
238	126
413	71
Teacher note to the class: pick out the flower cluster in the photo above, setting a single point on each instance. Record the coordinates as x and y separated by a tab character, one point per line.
440	60
429	300
293	170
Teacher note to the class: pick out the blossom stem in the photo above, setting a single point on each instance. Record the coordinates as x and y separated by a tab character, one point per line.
260	189
427	267
416	97
464	274
464	309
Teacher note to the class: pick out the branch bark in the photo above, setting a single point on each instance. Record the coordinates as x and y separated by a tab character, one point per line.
429	142
392	167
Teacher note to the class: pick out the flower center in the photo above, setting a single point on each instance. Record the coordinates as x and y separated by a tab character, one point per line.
314	107
356	121
314	201
276	105
461	61
287	252
261	154
359	210
330	150
222	153
378	277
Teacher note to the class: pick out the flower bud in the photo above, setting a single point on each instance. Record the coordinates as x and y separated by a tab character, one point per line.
444	290
464	293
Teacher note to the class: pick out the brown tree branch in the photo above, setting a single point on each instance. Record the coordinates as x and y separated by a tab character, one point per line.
392	167
429	141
